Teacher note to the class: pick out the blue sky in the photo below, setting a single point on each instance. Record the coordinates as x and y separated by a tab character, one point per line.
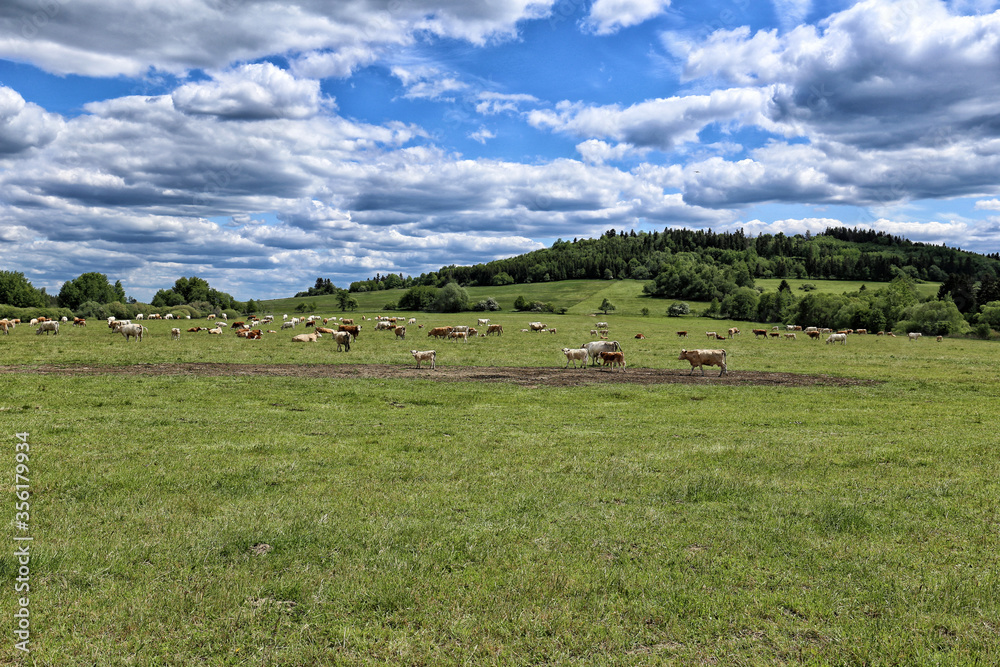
261	145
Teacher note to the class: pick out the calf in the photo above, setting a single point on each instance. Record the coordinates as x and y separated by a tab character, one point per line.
613	359
575	355
426	355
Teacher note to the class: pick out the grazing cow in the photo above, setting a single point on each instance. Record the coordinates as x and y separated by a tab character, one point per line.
401	333
862	332
346	320
175	333
494	329
439	332
760	332
682	334
913	335
79	322
343	339
464	335
813	334
940	338
789	336
47	326
702	358
614	359
734	332
132	330
482	322
594	348
426	355
640	336
353	329
837	338
537	326
5	326
575	355
602	325
306	338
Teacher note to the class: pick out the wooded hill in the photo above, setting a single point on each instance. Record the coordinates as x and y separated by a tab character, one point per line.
837	254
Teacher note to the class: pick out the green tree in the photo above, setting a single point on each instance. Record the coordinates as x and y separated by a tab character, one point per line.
345	301
741	304
418	297
452	299
520	303
502	278
15	290
91	286
678	309
605	306
935	318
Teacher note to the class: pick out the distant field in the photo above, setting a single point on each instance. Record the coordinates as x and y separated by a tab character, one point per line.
581	297
229	518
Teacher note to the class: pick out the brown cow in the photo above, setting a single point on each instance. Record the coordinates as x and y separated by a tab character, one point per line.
353	329
494	329
702	358
440	332
760	332
613	359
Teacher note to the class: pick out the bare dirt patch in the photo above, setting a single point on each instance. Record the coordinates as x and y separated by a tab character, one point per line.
524	376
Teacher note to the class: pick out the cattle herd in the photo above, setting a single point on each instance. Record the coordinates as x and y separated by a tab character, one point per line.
344	331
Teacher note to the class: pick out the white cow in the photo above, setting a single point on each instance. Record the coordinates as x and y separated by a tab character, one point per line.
594	348
913	335
175	334
575	355
426	355
48	326
132	330
481	322
837	338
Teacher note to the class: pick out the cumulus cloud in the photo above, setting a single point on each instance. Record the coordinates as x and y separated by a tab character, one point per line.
251	92
610	16
120	37
24	125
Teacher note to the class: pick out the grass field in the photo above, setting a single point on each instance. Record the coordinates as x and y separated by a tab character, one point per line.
245	520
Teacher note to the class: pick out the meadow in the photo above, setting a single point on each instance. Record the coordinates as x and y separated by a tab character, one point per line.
232	519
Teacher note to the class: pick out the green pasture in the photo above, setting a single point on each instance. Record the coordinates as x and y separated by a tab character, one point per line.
579	297
241	520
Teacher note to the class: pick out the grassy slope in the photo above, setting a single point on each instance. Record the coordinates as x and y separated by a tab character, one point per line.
579	296
426	523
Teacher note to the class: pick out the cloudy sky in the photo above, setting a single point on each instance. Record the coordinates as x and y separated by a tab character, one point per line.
260	144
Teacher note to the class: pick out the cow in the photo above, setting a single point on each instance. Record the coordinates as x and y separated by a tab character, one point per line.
789	336
400	333
426	355
719	337
575	355
482	322
594	348
602	325
640	336
913	335
132	330
702	358
711	334
47	326
537	326
613	359
353	329
813	334
439	332
760	332
5	327
79	322
175	333
464	335
682	334
837	338
217	331
343	339
734	332
494	329
306	338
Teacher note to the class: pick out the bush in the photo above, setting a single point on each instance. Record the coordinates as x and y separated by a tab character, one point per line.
983	330
678	309
451	299
540	307
420	297
488	304
391	305
807	287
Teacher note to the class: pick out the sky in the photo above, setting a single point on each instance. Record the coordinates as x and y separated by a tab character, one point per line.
260	144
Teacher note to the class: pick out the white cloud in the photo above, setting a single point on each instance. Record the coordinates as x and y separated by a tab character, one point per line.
610	16
482	135
24	125
251	92
988	205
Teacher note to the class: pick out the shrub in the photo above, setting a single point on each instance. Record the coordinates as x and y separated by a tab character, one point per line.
391	305
451	299
678	309
488	304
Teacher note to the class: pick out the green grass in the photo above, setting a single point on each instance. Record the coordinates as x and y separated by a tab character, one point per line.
416	522
926	289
